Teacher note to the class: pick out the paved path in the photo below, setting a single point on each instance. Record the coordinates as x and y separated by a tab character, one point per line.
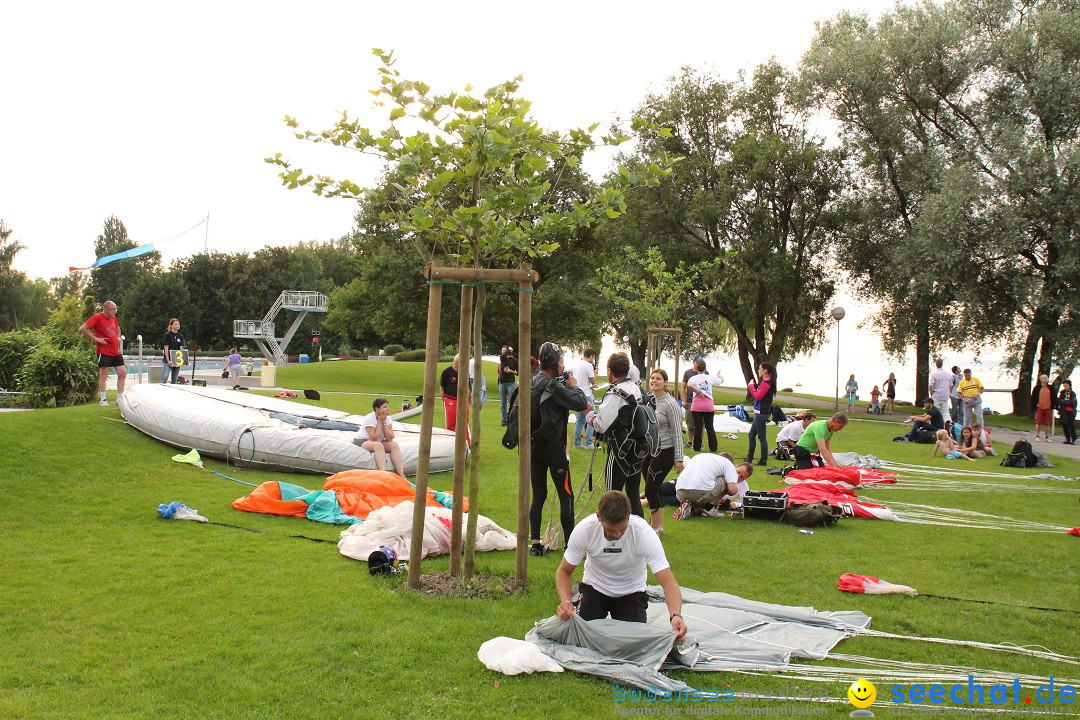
1003	437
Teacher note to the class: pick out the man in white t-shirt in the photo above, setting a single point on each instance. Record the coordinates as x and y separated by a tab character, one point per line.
585	374
790	433
616	548
706	482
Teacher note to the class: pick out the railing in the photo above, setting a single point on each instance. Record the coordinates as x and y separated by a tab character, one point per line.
302	300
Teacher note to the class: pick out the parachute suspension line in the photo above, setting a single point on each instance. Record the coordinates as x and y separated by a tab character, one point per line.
956	517
1007	647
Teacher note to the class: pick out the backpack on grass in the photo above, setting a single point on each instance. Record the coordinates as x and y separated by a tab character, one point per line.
819	514
925	437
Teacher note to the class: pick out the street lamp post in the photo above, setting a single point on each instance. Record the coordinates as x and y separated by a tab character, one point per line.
838	313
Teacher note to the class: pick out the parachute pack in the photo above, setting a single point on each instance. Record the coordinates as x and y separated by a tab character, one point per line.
639	418
542	388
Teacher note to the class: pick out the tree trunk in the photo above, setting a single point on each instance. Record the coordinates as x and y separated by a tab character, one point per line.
1021	396
638	357
922	360
460	435
521	556
427	421
474	427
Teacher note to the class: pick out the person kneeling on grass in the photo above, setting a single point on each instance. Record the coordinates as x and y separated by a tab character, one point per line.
818	439
947	447
376	435
709	482
616	548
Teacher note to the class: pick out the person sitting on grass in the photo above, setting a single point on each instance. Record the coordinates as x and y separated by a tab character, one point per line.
947	447
376	435
929	420
971	445
983	435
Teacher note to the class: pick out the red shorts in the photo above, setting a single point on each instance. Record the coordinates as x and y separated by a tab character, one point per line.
1042	416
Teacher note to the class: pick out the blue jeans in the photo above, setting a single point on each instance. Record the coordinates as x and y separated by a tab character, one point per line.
919	425
506	389
588	429
955	412
169	372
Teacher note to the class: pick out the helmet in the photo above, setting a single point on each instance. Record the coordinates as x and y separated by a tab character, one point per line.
549	356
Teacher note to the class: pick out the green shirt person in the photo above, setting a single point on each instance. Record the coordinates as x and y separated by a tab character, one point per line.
816	439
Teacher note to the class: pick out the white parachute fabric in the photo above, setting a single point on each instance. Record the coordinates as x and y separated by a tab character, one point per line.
392	526
511	656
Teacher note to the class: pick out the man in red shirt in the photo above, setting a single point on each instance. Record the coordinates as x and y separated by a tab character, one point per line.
104	330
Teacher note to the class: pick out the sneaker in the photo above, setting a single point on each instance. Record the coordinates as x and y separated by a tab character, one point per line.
104	403
763	463
587	446
711	512
683	511
1036	439
899	438
537	550
1049	440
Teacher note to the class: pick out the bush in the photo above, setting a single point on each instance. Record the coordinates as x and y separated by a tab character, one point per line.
411	355
14	347
392	349
56	377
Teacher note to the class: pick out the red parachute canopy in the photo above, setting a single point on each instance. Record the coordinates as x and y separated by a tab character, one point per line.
848	477
845	499
870	585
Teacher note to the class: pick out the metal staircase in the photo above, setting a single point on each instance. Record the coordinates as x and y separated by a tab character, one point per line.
262	331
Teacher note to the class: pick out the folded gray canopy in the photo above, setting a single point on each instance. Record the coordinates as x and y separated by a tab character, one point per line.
724	633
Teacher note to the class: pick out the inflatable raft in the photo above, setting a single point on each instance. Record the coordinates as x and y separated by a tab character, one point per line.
266	432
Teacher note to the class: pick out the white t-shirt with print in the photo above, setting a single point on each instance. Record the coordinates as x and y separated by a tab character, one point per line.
616	567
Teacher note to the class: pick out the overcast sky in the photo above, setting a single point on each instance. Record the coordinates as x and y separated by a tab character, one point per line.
162	113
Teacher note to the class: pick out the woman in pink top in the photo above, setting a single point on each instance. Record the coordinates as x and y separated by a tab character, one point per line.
702	407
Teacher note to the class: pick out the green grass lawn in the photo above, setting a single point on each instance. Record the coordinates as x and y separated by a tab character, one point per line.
110	612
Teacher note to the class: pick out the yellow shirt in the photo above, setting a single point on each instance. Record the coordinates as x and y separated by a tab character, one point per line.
969	388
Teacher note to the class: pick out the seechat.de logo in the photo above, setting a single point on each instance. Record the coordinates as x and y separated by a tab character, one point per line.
862	695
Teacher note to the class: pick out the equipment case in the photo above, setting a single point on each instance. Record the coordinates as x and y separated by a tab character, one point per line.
764	505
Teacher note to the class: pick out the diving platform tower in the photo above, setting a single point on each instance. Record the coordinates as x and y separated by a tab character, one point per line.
262	331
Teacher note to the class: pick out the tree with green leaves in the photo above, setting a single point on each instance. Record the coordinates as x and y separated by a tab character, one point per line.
473	186
751	206
969	109
24	303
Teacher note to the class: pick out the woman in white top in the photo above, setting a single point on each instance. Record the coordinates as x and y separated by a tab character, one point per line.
377	436
701	385
669	415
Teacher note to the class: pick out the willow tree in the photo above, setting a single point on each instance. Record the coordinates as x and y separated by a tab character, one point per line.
475	186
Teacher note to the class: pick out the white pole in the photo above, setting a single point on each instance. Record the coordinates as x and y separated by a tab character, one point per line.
141	366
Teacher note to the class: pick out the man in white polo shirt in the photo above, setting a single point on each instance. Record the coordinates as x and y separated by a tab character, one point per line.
616	547
706	481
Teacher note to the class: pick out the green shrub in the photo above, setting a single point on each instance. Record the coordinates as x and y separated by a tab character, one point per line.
14	347
55	377
411	355
392	349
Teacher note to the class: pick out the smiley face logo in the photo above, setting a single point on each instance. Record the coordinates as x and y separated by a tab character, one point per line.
862	693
